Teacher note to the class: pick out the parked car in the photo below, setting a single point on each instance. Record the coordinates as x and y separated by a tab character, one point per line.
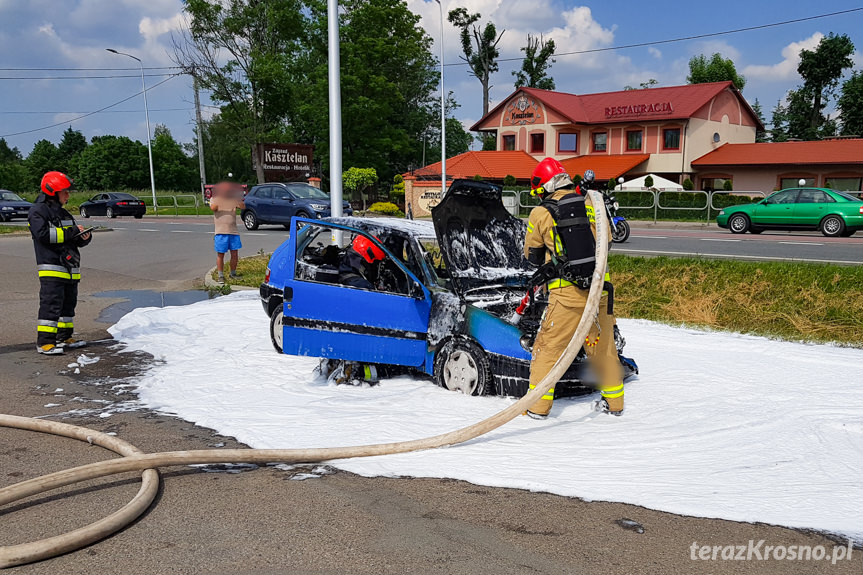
832	212
441	300
113	204
13	206
277	203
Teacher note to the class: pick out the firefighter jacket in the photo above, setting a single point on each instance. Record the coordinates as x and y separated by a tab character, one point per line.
55	239
540	235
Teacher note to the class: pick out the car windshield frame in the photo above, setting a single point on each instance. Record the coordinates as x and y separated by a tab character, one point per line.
313	192
11	197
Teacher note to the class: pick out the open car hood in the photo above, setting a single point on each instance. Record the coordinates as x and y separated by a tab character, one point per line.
480	241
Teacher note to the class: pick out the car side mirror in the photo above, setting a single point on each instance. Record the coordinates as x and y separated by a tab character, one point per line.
417	291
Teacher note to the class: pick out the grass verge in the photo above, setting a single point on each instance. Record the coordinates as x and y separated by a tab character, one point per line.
797	301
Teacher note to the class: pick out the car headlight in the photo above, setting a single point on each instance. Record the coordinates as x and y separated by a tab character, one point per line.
319	207
721	212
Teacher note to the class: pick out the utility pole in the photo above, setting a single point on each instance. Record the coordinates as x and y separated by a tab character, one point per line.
200	122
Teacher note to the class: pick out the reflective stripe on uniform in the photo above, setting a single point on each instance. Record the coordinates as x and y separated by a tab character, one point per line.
559	283
591	215
529	227
55	274
47	325
67	324
56	236
548	396
612	392
67	223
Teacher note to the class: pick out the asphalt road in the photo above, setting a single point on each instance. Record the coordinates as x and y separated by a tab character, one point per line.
265	520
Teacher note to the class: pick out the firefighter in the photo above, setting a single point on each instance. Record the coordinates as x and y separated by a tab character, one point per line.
552	240
56	239
357	268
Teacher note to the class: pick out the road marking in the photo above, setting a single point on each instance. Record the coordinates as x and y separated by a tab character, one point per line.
145	230
652	237
181	231
254	234
732	256
801	243
717	240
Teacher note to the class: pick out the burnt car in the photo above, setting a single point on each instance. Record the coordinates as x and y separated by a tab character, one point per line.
440	301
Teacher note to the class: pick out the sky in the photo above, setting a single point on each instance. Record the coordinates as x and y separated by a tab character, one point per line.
762	438
68	35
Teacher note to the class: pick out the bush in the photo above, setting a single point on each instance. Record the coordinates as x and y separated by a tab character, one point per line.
509	180
648	182
688	185
727	186
477	178
387	208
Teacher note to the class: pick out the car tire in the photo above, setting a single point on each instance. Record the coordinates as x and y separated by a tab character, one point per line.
139	216
738	224
276	326
109	211
250	220
754	230
461	365
83	212
832	226
848	233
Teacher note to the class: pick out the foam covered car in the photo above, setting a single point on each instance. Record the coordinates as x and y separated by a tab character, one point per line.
440	303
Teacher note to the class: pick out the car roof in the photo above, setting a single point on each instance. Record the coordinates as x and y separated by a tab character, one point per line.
415	228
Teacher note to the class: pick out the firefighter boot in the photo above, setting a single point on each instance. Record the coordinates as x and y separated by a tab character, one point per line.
49	349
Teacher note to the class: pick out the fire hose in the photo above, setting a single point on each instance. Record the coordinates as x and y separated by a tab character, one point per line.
134	460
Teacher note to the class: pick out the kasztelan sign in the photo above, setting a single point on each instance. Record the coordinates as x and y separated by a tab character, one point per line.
287	162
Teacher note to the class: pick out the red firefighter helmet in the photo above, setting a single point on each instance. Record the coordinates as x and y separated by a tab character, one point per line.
367	248
542	173
54	182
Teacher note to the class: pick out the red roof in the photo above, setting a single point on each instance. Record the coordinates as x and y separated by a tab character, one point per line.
488	164
684	102
840	151
605	167
492	165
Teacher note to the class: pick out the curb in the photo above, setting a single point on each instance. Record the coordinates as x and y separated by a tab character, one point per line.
209	282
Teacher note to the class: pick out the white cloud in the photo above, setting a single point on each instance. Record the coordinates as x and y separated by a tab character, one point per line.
655	52
786	69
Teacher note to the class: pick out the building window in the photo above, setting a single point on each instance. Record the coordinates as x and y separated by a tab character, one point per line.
509	143
786	183
600	141
633	140
567	142
843	184
671	139
537	143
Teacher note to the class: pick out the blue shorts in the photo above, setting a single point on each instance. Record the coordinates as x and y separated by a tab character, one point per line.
226	242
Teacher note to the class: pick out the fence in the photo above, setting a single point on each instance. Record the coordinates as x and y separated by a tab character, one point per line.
168	202
695	201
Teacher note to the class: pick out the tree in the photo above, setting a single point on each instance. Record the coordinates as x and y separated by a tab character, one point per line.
42	158
479	47
458	140
173	170
358	180
243	52
388	80
537	61
760	133
644	85
717	69
112	163
779	124
7	154
850	105
803	114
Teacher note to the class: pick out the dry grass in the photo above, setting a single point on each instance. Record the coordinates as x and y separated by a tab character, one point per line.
789	300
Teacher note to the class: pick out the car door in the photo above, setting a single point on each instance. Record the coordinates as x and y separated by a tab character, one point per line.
812	205
284	204
777	209
322	318
99	204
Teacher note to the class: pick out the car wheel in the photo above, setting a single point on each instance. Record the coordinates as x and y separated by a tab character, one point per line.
462	366
738	224
83	212
276	326
832	226
754	230
139	216
848	233
109	211
250	220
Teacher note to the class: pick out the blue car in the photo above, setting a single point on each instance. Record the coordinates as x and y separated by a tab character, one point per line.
440	299
13	206
277	203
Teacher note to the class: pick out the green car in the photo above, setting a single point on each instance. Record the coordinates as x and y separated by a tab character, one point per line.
833	213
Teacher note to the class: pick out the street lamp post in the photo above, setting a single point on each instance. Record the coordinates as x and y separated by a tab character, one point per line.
147	116
442	111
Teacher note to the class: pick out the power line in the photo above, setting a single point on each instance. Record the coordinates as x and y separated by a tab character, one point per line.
89	113
106	111
685	38
87	69
85	77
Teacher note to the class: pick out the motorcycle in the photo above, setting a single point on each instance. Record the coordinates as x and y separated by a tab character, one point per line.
619	225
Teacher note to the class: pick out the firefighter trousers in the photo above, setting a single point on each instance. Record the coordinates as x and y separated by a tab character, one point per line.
558	325
57	301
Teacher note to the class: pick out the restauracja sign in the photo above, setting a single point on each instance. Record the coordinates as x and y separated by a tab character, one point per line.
638	109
